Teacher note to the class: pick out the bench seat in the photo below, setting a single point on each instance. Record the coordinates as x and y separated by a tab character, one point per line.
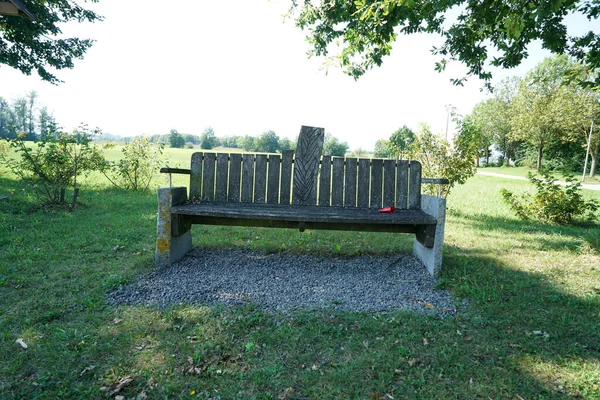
308	217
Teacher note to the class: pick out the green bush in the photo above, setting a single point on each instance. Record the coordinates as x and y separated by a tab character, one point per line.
552	203
55	163
138	167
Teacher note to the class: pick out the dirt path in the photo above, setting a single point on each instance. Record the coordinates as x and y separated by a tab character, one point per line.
522	178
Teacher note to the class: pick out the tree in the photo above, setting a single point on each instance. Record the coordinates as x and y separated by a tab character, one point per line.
401	141
383	149
286	144
364	31
176	140
537	115
493	117
36	45
46	123
208	139
268	142
333	147
247	143
6	120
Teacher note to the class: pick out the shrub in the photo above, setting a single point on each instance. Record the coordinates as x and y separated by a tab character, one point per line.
552	203
138	167
55	163
440	159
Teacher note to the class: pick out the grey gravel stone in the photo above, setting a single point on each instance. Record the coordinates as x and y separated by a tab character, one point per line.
285	282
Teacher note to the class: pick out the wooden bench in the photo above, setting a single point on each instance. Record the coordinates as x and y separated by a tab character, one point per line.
301	190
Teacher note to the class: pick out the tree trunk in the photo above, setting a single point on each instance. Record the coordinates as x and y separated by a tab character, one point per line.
487	156
477	162
594	160
539	156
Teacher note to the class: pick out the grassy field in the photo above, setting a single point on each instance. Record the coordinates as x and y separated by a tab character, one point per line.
523	171
530	328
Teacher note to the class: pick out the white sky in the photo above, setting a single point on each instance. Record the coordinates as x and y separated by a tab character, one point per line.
236	66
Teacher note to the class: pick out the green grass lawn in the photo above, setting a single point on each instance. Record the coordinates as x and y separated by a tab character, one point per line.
523	171
531	328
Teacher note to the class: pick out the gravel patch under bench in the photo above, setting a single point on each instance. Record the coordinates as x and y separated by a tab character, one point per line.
285	282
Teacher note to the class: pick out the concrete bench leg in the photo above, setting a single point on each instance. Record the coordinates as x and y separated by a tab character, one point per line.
432	257
173	240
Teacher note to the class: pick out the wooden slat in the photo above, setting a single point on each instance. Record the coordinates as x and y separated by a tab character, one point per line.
208	177
221	177
376	183
402	185
364	166
285	188
350	183
260	178
325	181
235	174
414	187
337	186
389	182
306	165
266	211
247	177
196	176
273	184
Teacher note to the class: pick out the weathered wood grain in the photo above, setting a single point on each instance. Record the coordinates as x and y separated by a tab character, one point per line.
325	181
208	177
196	176
337	182
402	185
306	165
221	176
364	169
247	177
350	183
376	182
414	187
287	158
235	175
389	183
273	183
260	178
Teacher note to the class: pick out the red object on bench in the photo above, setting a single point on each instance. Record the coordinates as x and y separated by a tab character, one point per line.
390	209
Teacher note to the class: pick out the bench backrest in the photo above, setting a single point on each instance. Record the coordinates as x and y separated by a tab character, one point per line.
306	178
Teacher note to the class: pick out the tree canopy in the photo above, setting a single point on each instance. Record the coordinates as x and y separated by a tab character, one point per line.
29	45
362	32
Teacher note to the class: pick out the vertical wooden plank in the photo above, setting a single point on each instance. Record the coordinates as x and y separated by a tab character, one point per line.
337	182
273	185
414	187
247	177
260	178
208	177
221	176
402	185
235	175
325	181
376	182
364	166
389	182
350	183
287	158
196	176
306	165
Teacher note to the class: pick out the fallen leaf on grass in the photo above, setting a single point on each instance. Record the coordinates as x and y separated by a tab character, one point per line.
87	369
117	321
117	386
286	393
425	342
21	343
